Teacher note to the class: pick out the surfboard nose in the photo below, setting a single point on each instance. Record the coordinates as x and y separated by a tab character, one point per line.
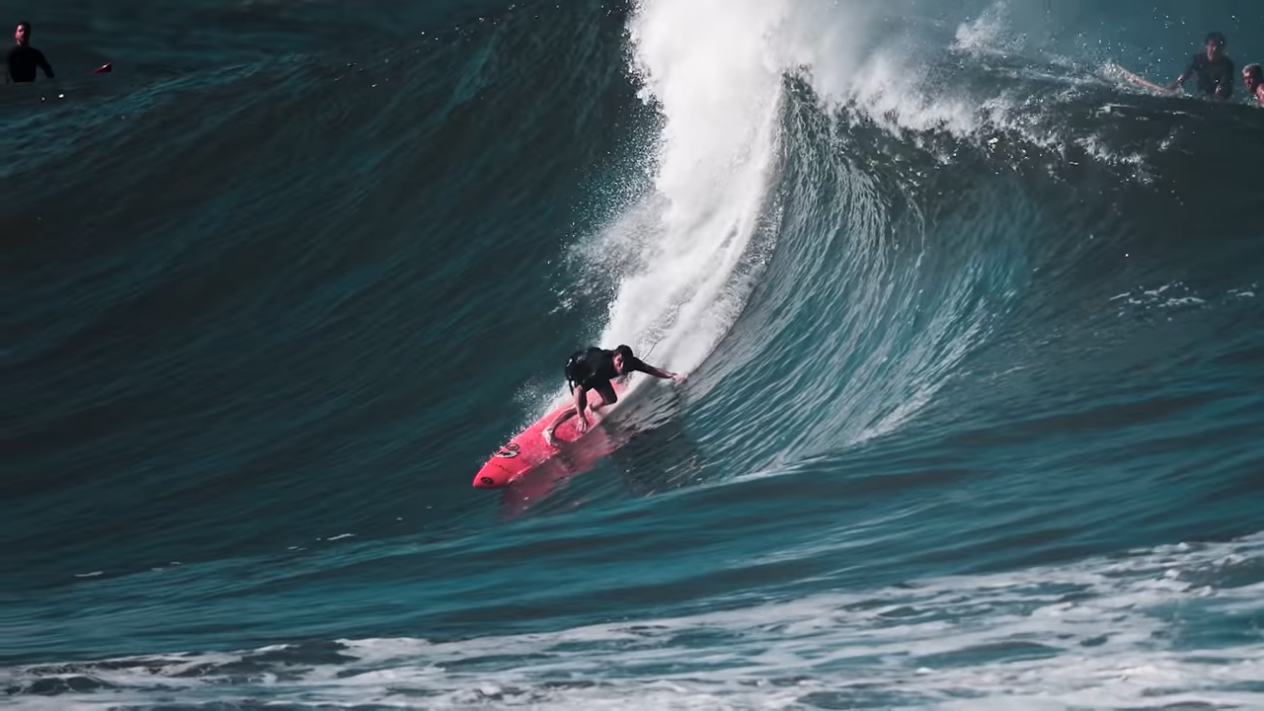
492	476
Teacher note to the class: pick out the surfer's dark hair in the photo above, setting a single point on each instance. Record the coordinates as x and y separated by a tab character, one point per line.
1215	37
625	351
24	25
1253	71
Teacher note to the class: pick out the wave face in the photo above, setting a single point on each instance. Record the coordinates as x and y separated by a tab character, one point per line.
970	324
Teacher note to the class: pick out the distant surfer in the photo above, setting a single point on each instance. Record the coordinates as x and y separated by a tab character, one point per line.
25	59
593	369
1253	79
1213	68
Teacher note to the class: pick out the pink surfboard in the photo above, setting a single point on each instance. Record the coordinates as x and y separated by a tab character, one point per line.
528	451
538	483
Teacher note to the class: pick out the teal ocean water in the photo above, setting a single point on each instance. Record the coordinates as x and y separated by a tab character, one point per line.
972	329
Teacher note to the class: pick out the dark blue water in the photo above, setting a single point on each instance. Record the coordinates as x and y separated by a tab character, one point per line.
971	325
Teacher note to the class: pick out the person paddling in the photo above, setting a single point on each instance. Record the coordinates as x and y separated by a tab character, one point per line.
1213	68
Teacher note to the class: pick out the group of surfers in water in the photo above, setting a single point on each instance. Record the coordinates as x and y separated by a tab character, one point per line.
1212	66
1214	70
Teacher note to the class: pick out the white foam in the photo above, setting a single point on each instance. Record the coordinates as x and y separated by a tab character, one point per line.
989	32
709	68
1146	628
1176	296
714	69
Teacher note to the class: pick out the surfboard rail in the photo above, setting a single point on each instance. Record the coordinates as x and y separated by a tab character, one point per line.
1141	81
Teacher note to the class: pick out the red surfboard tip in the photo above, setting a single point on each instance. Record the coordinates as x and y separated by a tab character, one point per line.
493	476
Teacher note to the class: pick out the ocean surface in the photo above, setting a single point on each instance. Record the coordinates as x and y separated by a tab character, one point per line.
972	326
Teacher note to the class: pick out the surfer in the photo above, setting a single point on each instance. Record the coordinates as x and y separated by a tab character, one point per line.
593	369
24	59
1253	79
1213	67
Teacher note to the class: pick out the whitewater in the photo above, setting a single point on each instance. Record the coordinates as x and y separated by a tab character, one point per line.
970	325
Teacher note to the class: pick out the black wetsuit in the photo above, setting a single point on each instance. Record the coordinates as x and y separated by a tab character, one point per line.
23	62
1215	77
593	369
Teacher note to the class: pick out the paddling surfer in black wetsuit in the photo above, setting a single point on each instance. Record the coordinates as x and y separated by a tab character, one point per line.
24	59
1213	67
593	369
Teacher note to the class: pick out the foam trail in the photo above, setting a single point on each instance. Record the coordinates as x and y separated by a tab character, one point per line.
711	69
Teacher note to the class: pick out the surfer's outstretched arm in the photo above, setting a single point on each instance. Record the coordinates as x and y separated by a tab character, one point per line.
654	371
1179	81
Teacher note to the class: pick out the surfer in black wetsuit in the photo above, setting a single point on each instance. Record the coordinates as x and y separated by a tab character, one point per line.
24	59
1253	80
1213	68
593	369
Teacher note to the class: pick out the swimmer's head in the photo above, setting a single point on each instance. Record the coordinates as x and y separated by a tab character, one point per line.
1252	77
1215	44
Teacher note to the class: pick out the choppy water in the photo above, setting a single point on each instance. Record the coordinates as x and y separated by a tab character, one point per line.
973	415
